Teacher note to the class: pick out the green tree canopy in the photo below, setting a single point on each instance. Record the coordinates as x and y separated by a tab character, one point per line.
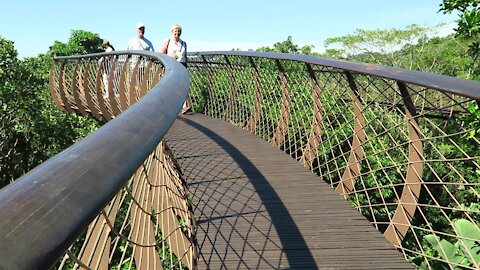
441	55
413	48
468	27
288	46
32	129
377	46
80	42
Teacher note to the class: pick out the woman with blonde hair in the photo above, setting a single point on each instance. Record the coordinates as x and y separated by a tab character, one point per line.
174	46
177	49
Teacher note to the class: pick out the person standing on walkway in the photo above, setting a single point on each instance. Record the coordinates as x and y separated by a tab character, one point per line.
177	49
174	46
107	66
140	42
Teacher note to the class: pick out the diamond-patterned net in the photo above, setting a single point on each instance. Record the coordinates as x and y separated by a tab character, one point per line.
405	155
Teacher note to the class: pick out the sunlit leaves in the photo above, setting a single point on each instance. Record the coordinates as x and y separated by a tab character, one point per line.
468	26
377	46
288	46
32	129
80	42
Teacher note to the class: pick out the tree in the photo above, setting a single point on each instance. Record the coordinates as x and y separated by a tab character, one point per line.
288	46
32	129
413	48
9	64
80	42
440	55
468	27
377	46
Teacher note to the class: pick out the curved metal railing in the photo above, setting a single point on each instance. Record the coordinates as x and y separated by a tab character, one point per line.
400	145
116	199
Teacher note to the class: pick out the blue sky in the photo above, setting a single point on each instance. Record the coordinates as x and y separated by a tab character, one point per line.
209	24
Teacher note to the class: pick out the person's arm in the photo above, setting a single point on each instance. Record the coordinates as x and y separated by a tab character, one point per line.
164	46
185	52
128	45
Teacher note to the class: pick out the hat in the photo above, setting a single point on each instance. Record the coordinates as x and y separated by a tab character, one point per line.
139	25
105	42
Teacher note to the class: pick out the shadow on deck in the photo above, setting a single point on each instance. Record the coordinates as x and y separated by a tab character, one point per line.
257	208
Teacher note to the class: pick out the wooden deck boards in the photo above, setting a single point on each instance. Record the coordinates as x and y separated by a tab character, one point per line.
257	208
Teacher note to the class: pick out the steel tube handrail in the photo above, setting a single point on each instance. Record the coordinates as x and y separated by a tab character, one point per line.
44	211
457	86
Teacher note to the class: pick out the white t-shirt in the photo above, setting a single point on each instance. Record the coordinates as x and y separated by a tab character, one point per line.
180	49
140	44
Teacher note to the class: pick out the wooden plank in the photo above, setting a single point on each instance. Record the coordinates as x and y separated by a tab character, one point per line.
256	207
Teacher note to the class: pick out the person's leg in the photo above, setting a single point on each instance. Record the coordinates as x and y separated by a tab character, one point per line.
105	85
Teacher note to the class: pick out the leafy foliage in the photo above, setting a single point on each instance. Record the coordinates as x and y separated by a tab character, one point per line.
32	129
288	46
377	45
451	179
473	120
468	27
80	42
464	252
441	55
414	48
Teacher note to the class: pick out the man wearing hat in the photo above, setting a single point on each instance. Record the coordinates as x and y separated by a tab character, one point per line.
140	42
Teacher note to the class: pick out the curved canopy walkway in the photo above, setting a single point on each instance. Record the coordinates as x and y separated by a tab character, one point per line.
289	162
256	208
